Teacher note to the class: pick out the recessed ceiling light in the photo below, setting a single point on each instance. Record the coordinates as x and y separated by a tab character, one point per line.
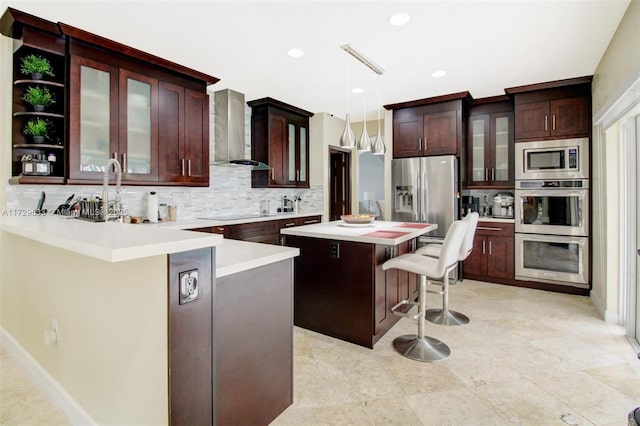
439	73
399	19
295	52
357	90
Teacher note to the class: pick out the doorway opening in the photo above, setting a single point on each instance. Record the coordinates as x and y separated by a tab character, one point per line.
340	183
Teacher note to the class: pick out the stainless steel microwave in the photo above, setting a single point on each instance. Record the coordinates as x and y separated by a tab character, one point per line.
553	159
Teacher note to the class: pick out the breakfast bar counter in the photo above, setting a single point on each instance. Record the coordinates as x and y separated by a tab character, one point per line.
340	288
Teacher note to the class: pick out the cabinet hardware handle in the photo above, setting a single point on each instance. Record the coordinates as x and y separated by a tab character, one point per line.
189	167
290	224
282	240
553	122
486	228
420	142
484	251
546	125
486	174
310	221
124	162
297	175
182	167
493	174
273	177
490	247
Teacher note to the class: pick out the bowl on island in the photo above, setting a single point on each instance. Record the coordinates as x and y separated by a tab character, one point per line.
359	219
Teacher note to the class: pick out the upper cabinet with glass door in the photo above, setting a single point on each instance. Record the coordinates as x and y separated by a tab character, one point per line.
280	138
118	96
490	144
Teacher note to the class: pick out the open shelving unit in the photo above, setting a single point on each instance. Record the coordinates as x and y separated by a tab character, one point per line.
40	37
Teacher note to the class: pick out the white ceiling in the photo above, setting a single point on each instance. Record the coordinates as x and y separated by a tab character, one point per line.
485	46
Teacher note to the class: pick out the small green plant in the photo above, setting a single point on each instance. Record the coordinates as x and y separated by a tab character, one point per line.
37	127
38	96
36	64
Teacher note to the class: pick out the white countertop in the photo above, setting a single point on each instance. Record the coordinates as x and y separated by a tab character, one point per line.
496	219
337	230
111	242
201	223
237	256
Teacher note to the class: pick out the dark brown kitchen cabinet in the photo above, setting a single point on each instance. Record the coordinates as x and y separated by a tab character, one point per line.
391	286
492	256
279	138
113	114
490	146
267	232
429	127
150	114
558	109
183	126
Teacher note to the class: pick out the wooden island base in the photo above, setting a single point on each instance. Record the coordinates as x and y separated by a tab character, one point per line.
341	290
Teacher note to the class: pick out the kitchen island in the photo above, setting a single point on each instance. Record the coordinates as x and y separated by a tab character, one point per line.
135	340
340	288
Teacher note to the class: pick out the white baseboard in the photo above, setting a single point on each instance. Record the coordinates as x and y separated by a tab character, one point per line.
44	381
608	316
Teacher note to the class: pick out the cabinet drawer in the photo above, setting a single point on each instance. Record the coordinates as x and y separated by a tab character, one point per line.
251	230
495	229
308	220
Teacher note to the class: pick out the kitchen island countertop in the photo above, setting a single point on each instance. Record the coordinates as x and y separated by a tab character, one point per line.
378	232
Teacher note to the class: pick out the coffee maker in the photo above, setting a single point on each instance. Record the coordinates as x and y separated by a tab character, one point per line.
503	205
470	204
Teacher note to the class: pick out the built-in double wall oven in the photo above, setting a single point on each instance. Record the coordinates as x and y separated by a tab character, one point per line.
552	212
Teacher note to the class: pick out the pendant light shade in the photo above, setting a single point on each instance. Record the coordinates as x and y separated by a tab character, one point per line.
348	139
377	145
364	143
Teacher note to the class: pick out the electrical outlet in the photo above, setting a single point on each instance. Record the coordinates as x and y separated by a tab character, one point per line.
335	250
188	286
52	334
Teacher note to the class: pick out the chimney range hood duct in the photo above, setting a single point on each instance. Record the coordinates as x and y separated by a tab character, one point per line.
229	109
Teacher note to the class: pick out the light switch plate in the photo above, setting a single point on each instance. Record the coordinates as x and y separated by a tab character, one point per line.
188	286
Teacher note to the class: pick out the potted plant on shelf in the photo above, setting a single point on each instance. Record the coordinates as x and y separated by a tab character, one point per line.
38	128
36	66
39	98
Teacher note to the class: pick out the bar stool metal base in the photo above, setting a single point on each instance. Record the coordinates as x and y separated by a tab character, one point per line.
421	349
439	316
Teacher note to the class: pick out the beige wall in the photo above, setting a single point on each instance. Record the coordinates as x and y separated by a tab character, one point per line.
112	351
621	59
617	69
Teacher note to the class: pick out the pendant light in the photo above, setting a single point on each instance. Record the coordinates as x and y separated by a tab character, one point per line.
348	139
364	144
377	146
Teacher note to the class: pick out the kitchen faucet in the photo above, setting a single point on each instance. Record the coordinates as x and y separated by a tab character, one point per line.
117	208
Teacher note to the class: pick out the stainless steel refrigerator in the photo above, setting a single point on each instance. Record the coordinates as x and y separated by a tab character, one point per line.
425	189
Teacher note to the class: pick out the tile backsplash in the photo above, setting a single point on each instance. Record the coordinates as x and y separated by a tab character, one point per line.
229	191
232	195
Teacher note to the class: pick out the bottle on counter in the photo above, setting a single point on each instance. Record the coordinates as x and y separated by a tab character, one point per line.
152	207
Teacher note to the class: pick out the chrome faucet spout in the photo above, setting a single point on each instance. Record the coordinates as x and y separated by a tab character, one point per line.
117	208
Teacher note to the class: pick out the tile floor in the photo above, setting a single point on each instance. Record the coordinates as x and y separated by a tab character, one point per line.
528	357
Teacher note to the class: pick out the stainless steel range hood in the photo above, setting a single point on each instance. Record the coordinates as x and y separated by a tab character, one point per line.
229	124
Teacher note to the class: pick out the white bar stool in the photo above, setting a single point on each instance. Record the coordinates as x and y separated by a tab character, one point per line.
445	316
420	347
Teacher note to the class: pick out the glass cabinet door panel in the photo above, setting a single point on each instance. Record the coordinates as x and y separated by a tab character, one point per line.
501	148
303	154
138	127
478	149
292	153
95	110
